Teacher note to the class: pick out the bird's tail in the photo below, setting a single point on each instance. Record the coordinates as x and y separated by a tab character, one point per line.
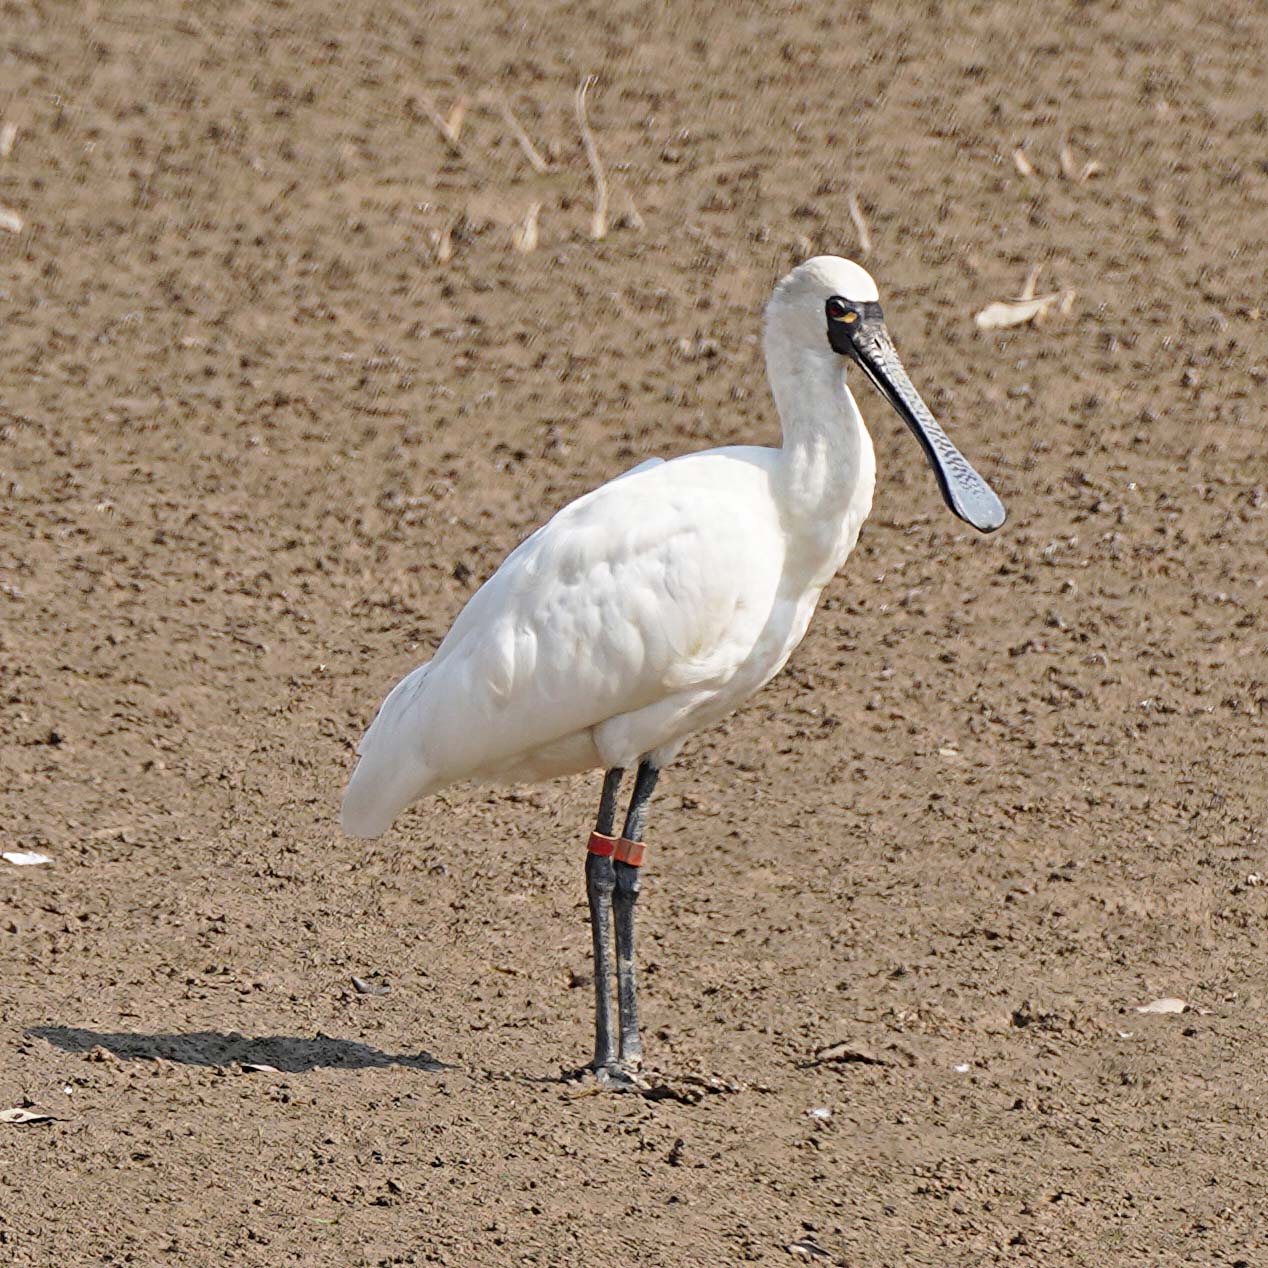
392	770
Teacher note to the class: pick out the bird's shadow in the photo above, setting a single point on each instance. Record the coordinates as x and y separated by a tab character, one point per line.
284	1053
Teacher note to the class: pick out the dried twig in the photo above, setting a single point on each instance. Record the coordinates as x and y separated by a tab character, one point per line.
1066	156
442	243
629	218
1027	307
531	153
599	221
447	132
524	234
860	224
1004	313
457	113
1070	168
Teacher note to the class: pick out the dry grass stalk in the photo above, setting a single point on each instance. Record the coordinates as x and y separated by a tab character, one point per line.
8	139
457	113
1032	280
516	129
599	221
524	234
629	218
1023	164
860	224
442	244
448	133
1070	168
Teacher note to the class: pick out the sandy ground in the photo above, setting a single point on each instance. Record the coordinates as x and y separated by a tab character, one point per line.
258	444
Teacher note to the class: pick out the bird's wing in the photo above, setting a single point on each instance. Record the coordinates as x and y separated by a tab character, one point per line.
656	582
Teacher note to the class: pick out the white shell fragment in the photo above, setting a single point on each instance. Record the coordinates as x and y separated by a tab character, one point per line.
10	220
1168	1005
24	858
26	1116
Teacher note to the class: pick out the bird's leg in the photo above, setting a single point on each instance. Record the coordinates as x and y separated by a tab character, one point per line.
629	857
600	881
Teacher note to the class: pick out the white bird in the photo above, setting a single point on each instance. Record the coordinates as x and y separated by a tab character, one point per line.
655	605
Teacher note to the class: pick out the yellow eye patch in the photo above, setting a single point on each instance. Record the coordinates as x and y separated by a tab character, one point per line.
848	317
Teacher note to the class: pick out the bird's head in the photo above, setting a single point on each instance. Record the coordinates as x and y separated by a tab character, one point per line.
832	304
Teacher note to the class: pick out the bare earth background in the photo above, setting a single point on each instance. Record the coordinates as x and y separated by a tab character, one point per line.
257	445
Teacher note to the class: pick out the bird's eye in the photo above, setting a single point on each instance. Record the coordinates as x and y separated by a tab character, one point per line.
839	310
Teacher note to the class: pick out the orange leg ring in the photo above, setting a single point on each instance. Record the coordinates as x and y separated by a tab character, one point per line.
603	846
630	852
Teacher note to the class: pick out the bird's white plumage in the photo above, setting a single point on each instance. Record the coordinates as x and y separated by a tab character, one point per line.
648	608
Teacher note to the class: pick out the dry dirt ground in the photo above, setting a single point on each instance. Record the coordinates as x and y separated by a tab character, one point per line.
257	445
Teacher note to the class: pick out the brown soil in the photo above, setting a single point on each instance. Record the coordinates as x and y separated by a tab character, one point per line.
257	445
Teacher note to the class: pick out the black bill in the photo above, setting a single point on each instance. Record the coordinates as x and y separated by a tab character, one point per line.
860	334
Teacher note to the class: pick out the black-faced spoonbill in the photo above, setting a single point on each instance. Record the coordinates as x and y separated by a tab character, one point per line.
654	606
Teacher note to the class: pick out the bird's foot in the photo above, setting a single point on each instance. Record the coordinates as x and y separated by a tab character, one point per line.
626	1076
622	1076
610	1076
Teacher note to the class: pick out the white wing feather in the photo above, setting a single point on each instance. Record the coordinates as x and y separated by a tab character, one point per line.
629	595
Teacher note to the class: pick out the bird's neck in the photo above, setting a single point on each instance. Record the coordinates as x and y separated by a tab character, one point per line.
827	464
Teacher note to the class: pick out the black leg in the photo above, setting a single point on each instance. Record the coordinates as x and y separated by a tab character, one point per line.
628	884
644	786
600	881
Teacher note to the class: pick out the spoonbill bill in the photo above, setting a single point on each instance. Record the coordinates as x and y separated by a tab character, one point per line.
654	606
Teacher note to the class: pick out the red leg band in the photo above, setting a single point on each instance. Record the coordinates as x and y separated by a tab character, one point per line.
631	852
601	845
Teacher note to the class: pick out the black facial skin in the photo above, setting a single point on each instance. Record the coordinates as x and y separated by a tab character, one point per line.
857	330
845	320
